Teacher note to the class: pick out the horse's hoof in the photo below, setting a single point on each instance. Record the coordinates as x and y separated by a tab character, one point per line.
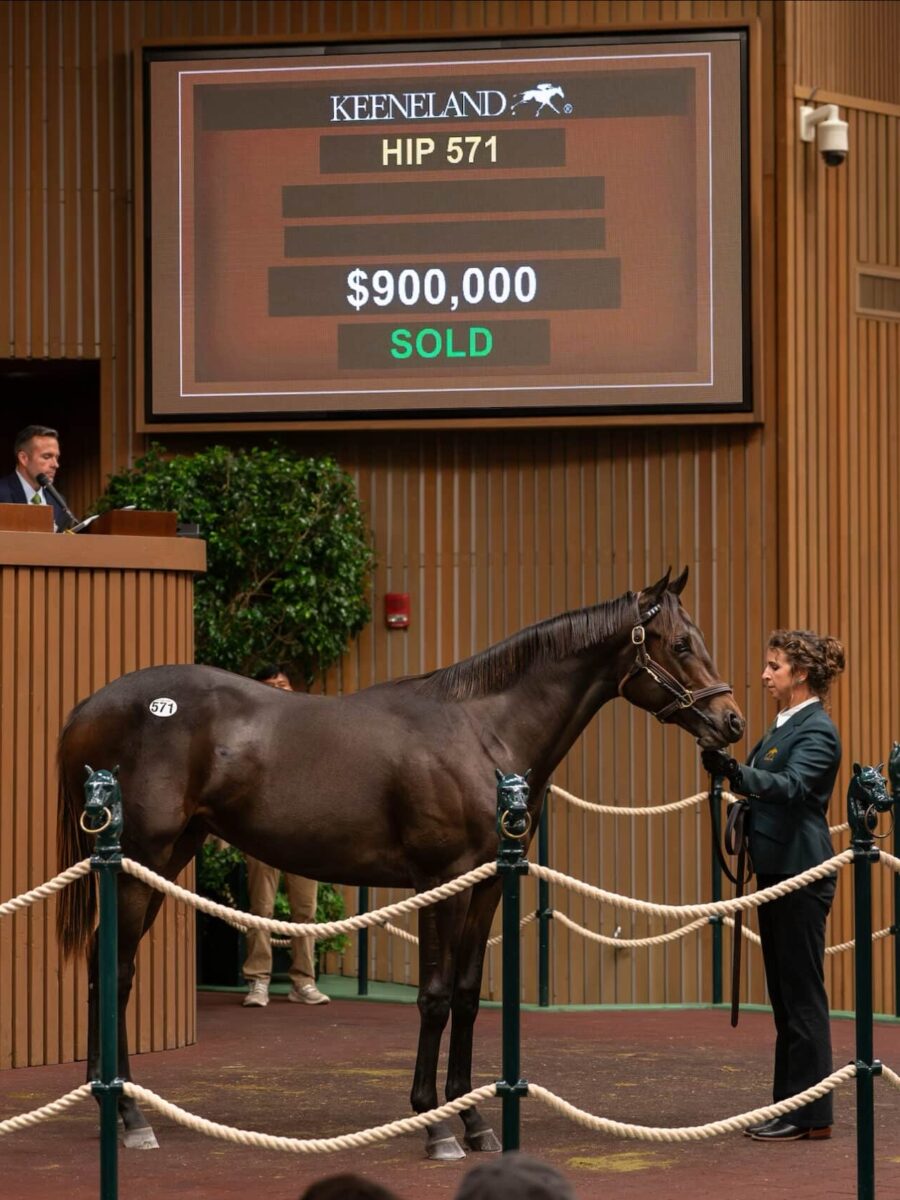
140	1139
444	1149
483	1140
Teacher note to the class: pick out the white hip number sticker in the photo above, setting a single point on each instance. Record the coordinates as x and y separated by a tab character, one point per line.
163	707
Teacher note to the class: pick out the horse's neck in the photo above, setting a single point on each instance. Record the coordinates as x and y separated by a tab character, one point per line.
542	714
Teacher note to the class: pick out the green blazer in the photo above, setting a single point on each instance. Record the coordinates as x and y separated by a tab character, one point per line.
789	786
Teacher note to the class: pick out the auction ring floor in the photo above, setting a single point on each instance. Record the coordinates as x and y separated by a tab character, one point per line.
305	1071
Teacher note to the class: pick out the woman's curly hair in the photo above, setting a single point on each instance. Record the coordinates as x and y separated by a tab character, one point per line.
822	658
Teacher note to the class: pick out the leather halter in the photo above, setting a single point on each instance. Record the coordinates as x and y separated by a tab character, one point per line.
680	696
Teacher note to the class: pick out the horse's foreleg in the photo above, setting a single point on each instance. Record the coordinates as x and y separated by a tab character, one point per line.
439	929
464	1007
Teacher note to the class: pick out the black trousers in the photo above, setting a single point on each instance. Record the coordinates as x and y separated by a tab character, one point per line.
793	944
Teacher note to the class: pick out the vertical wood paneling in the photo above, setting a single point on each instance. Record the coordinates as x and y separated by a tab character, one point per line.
851	48
840	506
490	532
61	638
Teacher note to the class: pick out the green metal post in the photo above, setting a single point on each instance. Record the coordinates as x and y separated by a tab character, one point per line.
362	947
513	824
862	824
544	910
716	784
103	816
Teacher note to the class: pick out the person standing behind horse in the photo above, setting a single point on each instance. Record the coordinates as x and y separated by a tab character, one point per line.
789	778
262	885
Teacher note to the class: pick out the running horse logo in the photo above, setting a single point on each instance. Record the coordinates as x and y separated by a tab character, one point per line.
542	94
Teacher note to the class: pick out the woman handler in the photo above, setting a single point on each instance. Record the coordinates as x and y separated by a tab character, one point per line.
789	777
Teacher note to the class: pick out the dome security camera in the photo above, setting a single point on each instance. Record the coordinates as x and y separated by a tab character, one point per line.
833	139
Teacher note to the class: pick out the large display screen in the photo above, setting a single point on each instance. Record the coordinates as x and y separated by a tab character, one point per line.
439	232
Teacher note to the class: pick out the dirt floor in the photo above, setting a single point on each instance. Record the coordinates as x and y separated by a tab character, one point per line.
317	1072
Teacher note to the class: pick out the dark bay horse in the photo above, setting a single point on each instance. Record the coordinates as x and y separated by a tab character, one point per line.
392	786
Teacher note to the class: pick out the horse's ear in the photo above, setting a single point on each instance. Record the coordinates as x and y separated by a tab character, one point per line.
115	771
856	768
498	773
653	594
677	585
527	775
88	771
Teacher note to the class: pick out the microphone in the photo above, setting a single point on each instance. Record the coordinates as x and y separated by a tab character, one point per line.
44	481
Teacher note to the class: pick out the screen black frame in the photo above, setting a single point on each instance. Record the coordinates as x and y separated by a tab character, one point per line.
412	417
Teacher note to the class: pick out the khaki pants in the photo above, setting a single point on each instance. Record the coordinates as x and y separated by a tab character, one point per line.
262	884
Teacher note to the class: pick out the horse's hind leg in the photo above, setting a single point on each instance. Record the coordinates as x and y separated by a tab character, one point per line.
464	1007
138	906
439	929
137	903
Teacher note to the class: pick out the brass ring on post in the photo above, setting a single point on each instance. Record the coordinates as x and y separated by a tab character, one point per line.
879	836
100	828
504	817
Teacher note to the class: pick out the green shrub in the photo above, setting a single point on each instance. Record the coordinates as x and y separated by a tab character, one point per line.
288	553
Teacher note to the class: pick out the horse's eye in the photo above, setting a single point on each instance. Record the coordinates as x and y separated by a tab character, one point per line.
681	646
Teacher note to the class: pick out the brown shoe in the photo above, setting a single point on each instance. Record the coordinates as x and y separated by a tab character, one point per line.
783	1131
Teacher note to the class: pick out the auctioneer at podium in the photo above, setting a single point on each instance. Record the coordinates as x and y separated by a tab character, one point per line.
36	451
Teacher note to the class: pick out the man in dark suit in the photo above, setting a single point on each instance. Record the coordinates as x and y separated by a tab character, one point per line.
789	777
37	453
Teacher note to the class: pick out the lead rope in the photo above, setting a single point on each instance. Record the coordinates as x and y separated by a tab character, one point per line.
736	843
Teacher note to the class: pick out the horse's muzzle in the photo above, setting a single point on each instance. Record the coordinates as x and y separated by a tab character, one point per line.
721	731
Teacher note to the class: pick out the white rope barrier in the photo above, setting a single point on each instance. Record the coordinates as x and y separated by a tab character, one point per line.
347	1141
617	810
406	936
690	1133
46	889
54	1109
620	810
717	908
381	917
382	1133
318	930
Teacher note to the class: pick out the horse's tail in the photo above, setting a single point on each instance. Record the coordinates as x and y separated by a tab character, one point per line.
76	909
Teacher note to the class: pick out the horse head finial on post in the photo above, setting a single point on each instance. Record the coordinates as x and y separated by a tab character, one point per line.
102	816
513	817
867	796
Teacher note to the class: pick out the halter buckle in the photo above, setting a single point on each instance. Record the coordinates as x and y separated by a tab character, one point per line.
638	635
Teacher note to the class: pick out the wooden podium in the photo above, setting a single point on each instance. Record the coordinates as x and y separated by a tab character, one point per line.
78	612
135	522
26	518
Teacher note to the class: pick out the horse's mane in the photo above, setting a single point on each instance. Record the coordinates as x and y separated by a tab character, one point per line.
494	669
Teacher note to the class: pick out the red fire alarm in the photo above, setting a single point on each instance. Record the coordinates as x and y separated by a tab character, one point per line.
396	610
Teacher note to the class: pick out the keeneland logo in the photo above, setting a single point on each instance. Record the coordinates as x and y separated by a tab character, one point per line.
417	106
542	95
436	106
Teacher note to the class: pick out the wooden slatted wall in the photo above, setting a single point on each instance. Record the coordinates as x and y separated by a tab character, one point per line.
841	402
490	530
64	632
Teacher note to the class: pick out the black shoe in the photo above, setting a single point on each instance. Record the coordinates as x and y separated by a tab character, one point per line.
754	1129
782	1131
